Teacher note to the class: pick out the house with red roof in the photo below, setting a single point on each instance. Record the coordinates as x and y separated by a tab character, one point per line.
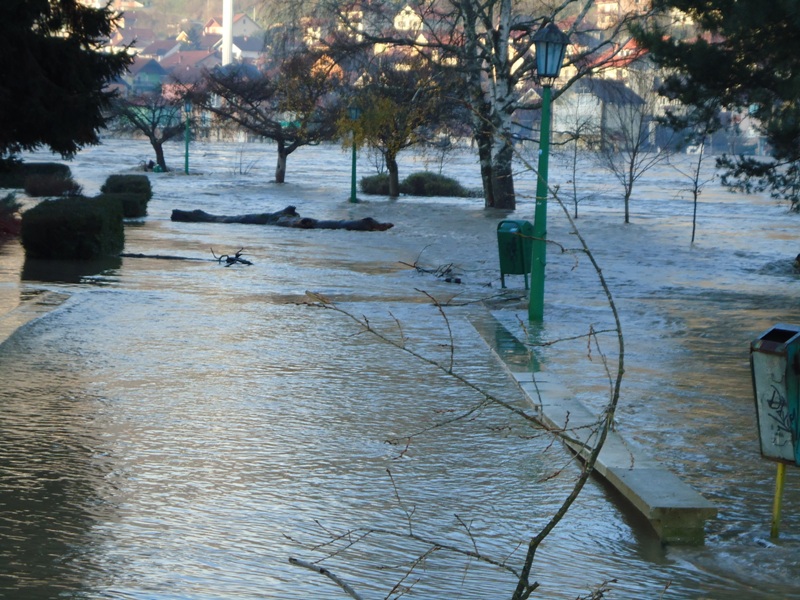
160	49
243	26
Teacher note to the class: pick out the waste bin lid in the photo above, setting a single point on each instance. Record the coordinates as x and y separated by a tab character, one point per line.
511	225
776	338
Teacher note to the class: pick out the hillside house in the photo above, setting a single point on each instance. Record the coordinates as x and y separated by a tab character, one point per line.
134	38
160	49
245	49
243	26
144	76
611	12
596	109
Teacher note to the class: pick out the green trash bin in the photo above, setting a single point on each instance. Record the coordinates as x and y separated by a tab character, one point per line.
775	366
514	240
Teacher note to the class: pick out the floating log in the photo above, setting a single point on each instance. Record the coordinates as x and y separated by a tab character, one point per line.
287	217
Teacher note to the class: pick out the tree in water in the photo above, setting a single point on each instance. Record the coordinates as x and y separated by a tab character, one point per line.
403	103
53	89
743	56
491	46
627	148
295	107
159	119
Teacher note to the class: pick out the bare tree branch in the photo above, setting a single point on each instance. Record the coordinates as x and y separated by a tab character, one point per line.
323	571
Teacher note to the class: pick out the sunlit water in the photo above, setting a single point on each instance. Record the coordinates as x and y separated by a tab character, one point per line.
179	429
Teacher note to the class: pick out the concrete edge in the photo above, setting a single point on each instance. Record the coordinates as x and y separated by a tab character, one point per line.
31	308
676	511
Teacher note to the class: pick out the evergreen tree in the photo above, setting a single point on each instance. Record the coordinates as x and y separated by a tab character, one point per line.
746	58
53	74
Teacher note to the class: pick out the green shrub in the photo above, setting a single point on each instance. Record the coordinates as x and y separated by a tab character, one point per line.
423	183
426	183
9	221
9	204
132	191
73	228
134	205
134	184
38	186
14	174
376	184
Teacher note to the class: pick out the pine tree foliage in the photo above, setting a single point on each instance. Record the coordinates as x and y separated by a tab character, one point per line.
53	74
745	58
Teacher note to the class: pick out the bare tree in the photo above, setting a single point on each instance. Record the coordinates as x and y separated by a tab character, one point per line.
294	107
695	126
693	172
627	148
579	131
158	118
402	105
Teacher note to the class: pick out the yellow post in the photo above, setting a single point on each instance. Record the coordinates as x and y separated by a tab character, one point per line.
776	504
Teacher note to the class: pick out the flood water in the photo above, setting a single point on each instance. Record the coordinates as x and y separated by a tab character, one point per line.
179	429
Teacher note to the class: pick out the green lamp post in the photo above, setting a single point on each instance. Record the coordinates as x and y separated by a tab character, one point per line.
187	111
355	113
551	45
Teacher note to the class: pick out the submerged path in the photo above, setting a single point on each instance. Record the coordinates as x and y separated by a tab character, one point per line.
677	513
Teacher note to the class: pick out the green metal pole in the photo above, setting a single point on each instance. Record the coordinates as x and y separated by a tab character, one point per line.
186	138
539	245
353	176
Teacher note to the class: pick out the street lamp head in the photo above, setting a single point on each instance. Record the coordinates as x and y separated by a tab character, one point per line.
355	112
187	105
551	46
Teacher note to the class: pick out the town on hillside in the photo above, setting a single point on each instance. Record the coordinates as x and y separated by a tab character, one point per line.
604	74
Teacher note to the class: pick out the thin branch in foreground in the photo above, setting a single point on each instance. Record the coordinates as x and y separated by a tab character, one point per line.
404	589
409	514
323	571
451	344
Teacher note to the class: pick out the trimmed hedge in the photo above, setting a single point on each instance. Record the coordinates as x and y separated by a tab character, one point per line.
39	186
9	220
134	184
426	183
14	174
132	191
375	184
73	228
133	205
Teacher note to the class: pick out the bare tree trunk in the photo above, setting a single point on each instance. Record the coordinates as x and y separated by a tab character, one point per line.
628	191
394	175
502	99
158	146
481	125
484	141
287	217
503	178
280	168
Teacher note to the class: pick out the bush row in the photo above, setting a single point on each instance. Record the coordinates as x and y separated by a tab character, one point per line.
15	174
423	183
77	227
